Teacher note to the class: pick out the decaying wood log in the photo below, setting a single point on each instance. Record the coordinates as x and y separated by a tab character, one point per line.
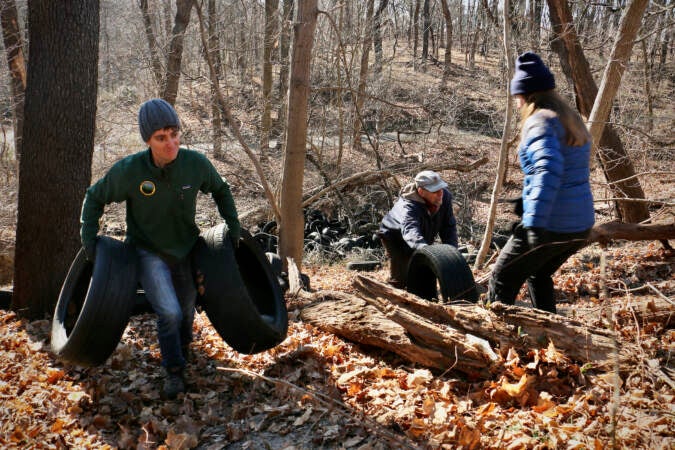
413	337
454	336
505	325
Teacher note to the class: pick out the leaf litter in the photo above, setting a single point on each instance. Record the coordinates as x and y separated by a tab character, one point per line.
316	390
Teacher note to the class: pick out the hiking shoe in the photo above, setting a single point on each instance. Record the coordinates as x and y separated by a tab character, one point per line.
174	383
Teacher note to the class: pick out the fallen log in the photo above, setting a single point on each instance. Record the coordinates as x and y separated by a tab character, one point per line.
609	231
413	337
642	312
505	325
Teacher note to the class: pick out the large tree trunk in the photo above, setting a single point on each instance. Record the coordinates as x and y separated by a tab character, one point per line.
55	168
175	57
291	228
214	51
155	63
363	77
271	26
618	59
11	37
615	162
426	20
448	39
377	34
284	62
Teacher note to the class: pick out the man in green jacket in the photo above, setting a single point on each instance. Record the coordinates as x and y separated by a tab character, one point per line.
159	186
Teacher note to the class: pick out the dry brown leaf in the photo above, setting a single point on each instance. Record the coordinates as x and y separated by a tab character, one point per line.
180	441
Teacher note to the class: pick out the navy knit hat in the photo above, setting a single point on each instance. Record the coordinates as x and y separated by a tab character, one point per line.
156	114
531	75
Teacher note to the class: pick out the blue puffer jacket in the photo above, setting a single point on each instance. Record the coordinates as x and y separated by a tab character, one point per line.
410	217
556	191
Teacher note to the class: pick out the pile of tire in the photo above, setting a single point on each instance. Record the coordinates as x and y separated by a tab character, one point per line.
334	237
237	290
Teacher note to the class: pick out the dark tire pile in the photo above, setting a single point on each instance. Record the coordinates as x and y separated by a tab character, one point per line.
335	238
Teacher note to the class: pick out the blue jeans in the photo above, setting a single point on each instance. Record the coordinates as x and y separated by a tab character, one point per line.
171	292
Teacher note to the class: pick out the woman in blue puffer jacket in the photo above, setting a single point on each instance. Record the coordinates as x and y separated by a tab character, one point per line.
558	213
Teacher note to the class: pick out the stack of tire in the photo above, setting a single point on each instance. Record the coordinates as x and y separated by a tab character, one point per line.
237	290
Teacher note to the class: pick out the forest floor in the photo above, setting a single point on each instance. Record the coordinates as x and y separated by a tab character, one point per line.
316	390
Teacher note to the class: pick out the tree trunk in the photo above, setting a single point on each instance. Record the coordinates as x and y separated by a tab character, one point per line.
271	26
292	224
377	35
155	64
425	31
284	62
55	168
175	57
504	147
11	37
613	157
448	40
214	51
618	59
363	77
416	30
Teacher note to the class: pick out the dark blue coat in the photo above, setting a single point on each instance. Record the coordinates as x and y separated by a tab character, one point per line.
556	189
410	217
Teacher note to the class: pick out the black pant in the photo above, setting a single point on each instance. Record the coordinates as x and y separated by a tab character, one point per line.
399	257
518	262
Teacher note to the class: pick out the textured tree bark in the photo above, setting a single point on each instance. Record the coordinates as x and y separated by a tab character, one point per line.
504	325
614	160
271	26
155	63
175	57
413	337
58	132
363	77
11	37
214	51
291	228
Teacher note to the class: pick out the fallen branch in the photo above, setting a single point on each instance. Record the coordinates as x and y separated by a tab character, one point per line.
609	231
377	176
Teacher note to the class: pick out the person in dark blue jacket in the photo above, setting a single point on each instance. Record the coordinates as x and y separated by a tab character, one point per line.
423	211
558	212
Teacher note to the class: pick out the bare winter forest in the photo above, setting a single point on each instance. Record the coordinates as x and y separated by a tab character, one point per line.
318	112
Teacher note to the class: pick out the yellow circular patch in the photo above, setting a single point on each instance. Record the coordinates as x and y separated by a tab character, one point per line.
147	188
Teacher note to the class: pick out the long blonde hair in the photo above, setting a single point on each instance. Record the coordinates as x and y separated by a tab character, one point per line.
575	130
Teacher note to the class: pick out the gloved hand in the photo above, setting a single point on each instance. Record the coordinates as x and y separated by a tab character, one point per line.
90	250
535	236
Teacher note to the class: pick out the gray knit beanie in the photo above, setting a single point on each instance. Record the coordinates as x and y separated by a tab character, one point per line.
156	114
531	75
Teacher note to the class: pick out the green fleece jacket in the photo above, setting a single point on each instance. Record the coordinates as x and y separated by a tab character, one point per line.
160	202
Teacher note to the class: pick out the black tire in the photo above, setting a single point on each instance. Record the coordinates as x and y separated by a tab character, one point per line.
239	293
447	265
95	303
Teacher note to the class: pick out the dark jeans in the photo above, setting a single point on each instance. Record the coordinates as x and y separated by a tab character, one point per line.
399	257
518	263
171	291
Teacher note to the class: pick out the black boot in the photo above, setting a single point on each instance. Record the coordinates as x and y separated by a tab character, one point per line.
174	383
